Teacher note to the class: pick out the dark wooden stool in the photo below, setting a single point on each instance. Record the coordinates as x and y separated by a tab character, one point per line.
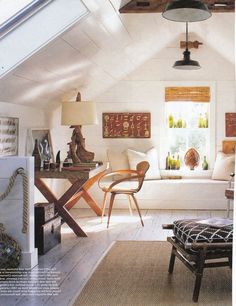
197	252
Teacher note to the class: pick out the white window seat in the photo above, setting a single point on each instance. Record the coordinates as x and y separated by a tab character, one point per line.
196	192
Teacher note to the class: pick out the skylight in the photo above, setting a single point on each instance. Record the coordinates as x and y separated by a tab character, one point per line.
13	12
9	8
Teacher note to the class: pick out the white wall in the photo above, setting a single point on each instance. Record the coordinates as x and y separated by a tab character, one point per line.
29	117
145	96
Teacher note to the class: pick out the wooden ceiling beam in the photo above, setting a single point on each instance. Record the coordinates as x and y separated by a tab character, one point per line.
157	6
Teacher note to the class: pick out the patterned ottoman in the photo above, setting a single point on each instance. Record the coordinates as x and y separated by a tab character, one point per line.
196	242
191	231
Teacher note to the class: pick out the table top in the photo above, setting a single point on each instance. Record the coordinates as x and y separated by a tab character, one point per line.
79	173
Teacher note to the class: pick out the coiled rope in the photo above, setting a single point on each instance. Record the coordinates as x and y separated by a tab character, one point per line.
25	216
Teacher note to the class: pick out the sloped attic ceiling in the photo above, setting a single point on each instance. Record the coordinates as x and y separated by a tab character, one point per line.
106	47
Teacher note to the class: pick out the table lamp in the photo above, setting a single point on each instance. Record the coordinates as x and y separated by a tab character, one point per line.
76	114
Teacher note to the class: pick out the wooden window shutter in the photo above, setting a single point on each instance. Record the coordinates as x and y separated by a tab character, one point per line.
193	94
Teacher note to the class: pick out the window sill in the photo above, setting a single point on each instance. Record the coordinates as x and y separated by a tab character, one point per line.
187	173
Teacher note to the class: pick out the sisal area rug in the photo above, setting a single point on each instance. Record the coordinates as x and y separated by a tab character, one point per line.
134	273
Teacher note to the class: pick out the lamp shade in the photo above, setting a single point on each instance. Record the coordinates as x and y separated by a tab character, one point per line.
78	113
186	63
186	11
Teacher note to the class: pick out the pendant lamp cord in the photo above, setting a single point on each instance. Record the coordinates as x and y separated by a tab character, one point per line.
187	36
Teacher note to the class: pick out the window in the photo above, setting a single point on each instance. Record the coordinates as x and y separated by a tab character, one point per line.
188	126
9	8
13	12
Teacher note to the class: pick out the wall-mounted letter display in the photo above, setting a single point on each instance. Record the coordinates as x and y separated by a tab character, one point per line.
230	124
8	136
126	125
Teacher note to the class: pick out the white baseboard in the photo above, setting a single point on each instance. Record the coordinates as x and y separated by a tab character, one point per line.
29	259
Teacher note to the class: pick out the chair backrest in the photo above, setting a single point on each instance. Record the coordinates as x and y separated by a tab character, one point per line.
142	168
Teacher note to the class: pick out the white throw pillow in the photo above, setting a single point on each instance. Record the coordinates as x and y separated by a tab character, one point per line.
117	160
150	156
224	165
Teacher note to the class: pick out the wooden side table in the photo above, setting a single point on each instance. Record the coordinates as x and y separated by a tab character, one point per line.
81	180
229	194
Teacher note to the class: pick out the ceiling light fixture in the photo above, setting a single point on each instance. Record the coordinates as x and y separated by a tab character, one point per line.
186	63
186	11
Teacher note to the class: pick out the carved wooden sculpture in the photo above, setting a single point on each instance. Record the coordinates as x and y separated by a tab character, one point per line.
77	151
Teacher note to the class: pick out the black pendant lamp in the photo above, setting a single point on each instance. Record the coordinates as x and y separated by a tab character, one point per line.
186	11
186	63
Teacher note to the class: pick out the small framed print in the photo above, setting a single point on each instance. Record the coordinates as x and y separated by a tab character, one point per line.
228	146
126	125
9	129
230	124
43	137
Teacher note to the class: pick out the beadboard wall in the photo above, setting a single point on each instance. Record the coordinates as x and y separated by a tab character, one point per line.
29	117
145	96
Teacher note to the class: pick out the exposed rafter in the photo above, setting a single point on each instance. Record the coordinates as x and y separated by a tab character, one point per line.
157	6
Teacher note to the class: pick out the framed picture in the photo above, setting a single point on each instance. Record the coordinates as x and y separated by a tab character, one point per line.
228	146
9	129
126	125
43	137
230	124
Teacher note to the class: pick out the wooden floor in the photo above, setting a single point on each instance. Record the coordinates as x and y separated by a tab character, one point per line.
76	257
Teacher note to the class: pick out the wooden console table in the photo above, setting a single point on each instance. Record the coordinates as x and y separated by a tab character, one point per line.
81	180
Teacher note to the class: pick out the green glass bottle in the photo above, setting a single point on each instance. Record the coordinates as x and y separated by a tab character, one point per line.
206	120
177	163
168	161
179	122
205	164
200	121
171	121
173	163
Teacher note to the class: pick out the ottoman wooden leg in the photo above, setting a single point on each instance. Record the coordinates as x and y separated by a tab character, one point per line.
172	260
197	287
199	273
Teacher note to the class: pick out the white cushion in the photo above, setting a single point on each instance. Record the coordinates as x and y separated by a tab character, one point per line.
118	161
224	165
150	156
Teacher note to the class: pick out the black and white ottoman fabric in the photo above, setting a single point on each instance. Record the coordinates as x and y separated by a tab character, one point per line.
210	230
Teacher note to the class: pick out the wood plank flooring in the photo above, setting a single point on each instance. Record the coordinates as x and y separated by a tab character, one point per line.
76	258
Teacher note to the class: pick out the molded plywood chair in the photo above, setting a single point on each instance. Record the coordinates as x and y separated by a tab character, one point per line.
116	187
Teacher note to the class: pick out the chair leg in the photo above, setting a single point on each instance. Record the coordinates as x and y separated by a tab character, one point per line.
172	260
110	208
199	274
130	205
136	204
103	205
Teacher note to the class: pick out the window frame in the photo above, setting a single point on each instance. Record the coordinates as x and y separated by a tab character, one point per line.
22	15
212	130
185	132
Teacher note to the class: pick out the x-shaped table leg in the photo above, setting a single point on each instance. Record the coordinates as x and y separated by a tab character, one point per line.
61	202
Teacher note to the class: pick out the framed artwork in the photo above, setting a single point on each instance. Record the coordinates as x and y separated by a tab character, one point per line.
9	129
230	124
44	143
126	125
228	146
